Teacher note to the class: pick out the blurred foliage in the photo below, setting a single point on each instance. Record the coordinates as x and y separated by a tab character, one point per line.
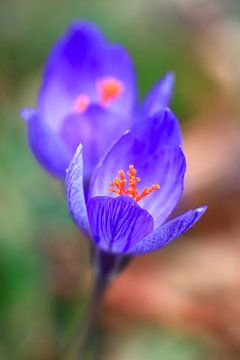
155	345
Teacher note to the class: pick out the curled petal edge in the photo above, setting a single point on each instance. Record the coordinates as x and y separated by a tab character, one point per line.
75	191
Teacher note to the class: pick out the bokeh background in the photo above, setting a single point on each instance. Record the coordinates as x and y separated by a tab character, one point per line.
181	303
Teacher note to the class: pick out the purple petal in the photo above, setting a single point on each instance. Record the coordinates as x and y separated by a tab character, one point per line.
165	167
67	73
114	61
77	61
163	235
96	129
75	191
117	224
47	147
159	96
159	130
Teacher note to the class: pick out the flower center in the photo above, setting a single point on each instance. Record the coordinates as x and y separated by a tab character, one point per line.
119	185
108	89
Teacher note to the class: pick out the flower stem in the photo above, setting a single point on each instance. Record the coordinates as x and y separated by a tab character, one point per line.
79	341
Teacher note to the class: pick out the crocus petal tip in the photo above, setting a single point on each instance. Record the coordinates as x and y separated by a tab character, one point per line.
76	156
26	113
170	75
79	24
202	209
79	149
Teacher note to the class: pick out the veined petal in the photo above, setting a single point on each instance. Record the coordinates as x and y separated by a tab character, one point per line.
96	128
76	63
47	147
165	167
117	224
159	130
159	96
75	191
163	235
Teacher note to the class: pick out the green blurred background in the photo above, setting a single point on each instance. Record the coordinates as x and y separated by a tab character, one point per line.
180	303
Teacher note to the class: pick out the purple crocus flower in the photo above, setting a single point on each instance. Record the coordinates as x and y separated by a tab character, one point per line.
88	96
127	215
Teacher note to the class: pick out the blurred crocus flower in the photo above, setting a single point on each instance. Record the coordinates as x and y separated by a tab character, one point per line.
88	96
133	191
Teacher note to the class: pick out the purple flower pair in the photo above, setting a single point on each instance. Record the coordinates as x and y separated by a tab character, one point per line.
86	102
88	95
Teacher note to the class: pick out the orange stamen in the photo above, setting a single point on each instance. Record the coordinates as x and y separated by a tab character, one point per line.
109	89
82	103
119	185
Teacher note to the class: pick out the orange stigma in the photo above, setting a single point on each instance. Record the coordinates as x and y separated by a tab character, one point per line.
109	89
82	103
119	185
